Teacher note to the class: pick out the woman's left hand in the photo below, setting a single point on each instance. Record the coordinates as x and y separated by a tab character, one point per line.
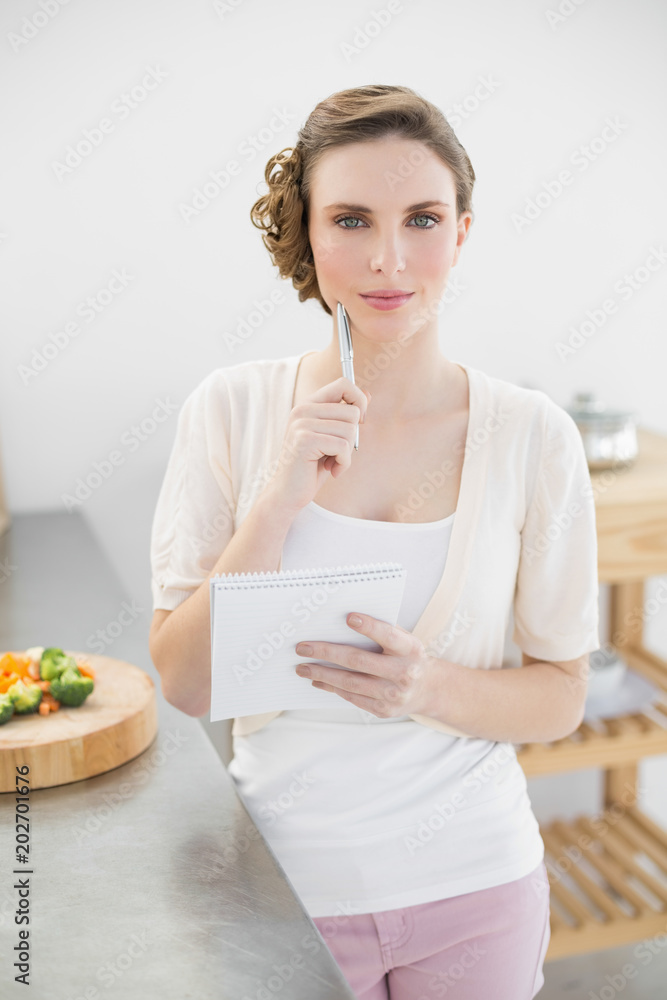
397	681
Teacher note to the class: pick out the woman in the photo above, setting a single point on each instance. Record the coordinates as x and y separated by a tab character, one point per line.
400	813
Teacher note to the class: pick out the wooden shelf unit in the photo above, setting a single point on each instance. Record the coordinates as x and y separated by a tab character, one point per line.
608	873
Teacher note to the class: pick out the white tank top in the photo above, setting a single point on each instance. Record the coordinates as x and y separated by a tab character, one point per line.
368	814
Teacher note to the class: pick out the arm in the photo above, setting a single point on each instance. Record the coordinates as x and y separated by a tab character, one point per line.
539	702
180	640
542	701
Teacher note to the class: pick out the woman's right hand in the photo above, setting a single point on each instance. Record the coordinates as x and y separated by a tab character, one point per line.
318	441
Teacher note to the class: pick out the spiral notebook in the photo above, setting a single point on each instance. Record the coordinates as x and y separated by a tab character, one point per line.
257	620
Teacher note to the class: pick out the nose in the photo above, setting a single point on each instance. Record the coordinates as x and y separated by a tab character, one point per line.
387	253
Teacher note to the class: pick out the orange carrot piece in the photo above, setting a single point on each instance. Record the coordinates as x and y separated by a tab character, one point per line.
14	664
43	708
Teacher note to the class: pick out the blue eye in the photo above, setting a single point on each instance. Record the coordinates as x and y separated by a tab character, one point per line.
426	215
420	215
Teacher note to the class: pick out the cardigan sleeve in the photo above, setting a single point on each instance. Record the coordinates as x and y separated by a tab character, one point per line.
194	517
556	614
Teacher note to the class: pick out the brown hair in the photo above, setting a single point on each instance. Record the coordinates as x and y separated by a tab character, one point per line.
356	115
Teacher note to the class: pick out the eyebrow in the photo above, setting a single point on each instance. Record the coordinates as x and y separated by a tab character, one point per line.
343	206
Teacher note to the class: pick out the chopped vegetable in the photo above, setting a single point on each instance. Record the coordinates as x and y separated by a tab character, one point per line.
54	660
70	687
26	698
51	703
6	708
6	681
14	667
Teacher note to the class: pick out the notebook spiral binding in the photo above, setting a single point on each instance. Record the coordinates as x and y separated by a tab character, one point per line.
305	577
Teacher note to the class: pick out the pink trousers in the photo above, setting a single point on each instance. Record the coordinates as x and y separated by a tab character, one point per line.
478	946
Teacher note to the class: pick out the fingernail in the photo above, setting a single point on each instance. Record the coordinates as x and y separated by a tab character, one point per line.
354	620
303	649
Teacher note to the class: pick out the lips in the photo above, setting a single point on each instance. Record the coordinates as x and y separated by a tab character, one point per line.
385	300
385	294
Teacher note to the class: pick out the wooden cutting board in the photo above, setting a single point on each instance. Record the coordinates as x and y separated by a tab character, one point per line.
116	722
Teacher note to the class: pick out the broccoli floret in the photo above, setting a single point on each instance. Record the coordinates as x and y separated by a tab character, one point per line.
53	662
26	697
6	708
70	687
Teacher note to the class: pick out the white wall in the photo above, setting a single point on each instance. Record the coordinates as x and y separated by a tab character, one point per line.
220	72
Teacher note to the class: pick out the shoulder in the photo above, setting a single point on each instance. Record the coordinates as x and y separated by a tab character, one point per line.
241	385
527	412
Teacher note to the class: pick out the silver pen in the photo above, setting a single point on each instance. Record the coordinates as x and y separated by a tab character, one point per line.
346	353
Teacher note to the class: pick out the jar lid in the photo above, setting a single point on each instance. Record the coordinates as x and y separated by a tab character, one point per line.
590	411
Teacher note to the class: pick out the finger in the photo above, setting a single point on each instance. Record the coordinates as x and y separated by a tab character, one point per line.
341	426
375	706
345	680
392	638
381	690
342	387
343	655
350	412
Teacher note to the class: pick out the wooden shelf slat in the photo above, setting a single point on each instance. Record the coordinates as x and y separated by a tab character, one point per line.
642	841
556	846
574	905
617	848
660	706
556	921
635	723
621	726
607	864
644	662
644	821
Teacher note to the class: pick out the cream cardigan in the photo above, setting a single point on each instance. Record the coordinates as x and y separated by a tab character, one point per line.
523	539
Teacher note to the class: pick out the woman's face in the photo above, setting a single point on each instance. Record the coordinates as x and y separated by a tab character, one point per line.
367	236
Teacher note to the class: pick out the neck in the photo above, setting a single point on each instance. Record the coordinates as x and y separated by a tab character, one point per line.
407	380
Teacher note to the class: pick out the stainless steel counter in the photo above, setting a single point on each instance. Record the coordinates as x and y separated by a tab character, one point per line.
150	880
